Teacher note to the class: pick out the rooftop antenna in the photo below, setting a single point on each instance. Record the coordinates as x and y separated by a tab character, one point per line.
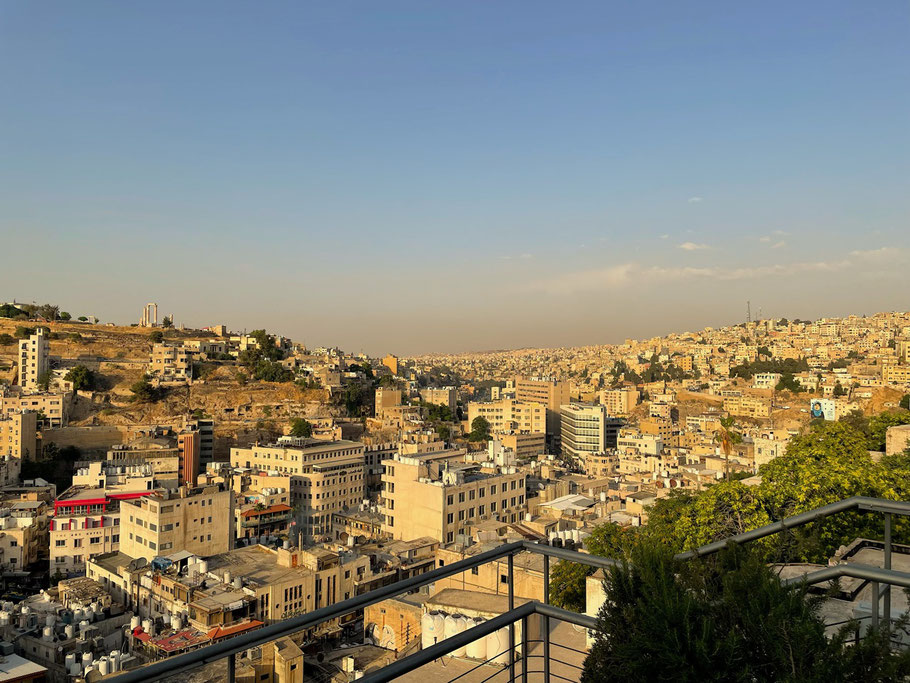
748	311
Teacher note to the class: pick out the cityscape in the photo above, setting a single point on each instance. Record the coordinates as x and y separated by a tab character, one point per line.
432	342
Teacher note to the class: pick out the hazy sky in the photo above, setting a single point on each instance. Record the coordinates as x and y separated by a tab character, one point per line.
440	176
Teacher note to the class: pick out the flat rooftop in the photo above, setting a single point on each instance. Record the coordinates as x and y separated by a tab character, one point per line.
256	564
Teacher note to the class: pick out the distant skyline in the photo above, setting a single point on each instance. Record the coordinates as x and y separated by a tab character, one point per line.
415	177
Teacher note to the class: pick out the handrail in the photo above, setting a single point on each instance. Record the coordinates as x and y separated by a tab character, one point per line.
856	502
444	647
853	571
279	629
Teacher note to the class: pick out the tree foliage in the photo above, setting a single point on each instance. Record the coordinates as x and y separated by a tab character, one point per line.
301	428
81	377
480	429
726	618
144	391
785	366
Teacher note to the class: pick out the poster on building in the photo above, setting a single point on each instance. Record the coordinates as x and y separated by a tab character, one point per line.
823	408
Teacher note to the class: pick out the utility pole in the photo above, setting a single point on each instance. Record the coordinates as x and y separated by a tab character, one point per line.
748	311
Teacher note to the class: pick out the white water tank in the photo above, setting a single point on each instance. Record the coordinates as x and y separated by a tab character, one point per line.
455	624
69	631
50	620
148	626
78	615
498	646
115	661
576	535
104	666
477	649
135	622
432	629
4	618
75	669
70	660
177	622
89	614
48	633
227	577
203	566
86	659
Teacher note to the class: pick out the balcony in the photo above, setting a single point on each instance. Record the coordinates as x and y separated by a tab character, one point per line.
536	641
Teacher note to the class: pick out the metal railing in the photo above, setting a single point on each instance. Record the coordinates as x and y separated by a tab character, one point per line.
229	648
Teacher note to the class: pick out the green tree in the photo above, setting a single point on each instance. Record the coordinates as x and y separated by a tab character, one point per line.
727	618
144	391
904	402
81	377
567	585
167	322
82	319
300	427
789	383
480	429
156	336
839	390
7	340
879	425
44	380
65	316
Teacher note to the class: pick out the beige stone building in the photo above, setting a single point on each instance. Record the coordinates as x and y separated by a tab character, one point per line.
525	444
23	532
198	520
552	393
748	406
18	435
510	415
323	477
619	402
443	396
171	363
391	362
86	522
33	360
423	497
52	406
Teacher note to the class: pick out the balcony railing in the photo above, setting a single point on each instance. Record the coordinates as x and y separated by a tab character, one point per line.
521	653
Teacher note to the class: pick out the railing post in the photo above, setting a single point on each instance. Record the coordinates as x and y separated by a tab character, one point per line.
875	604
886	608
512	624
524	649
232	668
545	620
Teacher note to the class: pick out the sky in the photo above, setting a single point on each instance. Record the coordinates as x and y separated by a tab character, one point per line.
415	177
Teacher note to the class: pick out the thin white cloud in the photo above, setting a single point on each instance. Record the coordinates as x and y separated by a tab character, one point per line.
664	237
692	246
695	200
627	274
880	254
764	238
779	245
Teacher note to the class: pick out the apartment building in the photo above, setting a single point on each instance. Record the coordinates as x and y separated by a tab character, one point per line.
510	415
118	476
896	374
85	523
391	362
620	402
765	380
587	429
442	396
199	520
171	363
33	360
206	448
51	406
18	435
385	399
323	477
526	445
600	465
23	531
552	393
422	497
747	406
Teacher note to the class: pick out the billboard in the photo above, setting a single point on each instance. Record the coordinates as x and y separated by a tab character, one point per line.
822	408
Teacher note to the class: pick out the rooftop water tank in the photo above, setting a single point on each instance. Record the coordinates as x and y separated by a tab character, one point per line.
455	624
477	649
432	629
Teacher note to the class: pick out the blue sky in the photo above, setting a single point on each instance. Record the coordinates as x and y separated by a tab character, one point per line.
439	176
